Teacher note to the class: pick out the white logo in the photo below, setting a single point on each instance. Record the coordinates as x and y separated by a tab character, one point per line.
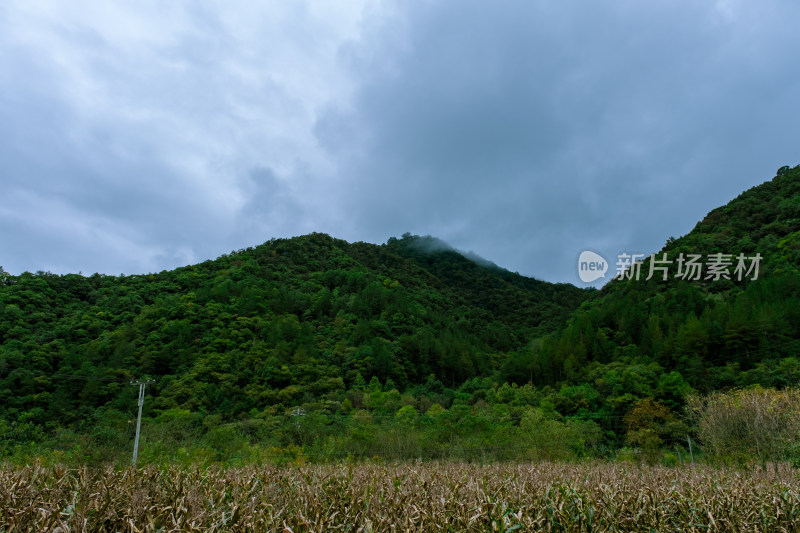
591	266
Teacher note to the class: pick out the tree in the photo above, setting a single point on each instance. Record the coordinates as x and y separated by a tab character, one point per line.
651	425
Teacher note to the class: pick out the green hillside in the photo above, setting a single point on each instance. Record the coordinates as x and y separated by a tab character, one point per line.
291	322
318	347
634	335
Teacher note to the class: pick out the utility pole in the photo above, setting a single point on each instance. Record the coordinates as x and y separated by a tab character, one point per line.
141	383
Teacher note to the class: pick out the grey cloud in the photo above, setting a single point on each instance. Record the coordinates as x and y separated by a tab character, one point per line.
529	131
524	131
147	134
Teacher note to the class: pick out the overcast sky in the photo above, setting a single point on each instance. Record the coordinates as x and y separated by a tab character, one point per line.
139	136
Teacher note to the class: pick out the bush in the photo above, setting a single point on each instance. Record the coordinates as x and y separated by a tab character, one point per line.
746	424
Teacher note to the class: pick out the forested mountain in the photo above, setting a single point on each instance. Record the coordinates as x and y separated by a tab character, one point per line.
410	346
718	331
288	321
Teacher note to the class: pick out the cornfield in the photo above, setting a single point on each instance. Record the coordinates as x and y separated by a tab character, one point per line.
398	497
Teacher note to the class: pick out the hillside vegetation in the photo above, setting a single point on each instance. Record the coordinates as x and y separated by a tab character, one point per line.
304	321
316	347
714	333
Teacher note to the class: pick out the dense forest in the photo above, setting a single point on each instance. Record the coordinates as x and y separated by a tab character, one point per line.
315	347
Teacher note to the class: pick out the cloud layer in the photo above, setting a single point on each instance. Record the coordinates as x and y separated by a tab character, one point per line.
134	139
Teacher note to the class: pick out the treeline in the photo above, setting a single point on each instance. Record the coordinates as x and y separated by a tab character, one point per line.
475	423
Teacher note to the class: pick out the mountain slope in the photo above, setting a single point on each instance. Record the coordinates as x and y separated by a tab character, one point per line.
709	333
289	321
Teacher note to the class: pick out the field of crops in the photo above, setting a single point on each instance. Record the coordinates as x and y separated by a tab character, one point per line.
405	497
